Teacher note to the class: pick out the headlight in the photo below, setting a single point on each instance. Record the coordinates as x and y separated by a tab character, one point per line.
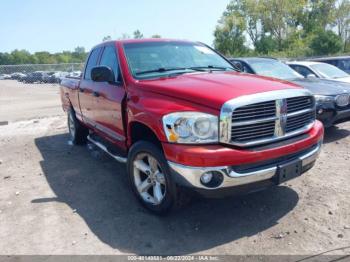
322	99
191	127
342	100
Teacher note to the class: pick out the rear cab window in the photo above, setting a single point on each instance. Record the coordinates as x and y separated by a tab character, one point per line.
92	62
109	58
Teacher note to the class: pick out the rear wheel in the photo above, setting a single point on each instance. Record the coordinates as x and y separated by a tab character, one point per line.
150	178
78	133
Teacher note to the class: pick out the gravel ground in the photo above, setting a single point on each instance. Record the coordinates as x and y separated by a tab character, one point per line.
19	101
61	199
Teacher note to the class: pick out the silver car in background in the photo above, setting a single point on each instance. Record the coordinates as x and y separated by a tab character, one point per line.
320	70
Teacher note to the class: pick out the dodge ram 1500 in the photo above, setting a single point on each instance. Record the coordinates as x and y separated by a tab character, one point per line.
180	116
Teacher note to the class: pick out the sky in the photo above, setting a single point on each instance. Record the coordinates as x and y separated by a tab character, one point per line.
57	25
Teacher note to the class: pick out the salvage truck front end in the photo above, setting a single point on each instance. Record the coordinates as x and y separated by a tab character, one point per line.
261	140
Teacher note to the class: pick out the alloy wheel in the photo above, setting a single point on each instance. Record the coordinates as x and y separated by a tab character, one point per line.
149	179
71	126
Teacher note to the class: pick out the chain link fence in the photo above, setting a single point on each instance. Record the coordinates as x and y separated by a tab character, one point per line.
40	73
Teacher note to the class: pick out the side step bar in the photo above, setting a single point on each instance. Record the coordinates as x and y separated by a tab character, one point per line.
102	147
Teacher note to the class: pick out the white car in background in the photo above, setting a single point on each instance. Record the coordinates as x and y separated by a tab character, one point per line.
74	74
5	76
320	70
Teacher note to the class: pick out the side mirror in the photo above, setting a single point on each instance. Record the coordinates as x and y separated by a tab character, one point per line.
102	74
311	76
238	66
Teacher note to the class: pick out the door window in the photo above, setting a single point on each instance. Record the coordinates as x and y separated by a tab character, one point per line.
302	70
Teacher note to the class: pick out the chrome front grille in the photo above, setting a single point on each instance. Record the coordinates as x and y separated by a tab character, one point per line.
267	117
253	131
299	103
255	111
245	121
299	121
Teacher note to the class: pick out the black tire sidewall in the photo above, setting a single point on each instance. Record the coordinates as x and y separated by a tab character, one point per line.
169	199
80	133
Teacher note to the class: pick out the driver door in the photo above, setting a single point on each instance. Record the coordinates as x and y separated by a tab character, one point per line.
108	111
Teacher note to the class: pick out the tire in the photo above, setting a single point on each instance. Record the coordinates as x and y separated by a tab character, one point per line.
140	157
78	133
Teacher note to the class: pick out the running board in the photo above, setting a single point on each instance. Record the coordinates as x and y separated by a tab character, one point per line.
102	147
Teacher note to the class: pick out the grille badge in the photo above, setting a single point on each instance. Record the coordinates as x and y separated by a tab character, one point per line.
281	114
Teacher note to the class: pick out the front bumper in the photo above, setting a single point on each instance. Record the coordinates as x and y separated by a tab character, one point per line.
331	115
190	176
242	167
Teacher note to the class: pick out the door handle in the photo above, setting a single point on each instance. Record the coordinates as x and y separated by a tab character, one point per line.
81	90
96	94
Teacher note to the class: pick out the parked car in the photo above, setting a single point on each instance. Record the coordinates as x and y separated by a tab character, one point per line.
35	77
74	74
17	76
22	77
342	62
320	70
58	76
332	98
5	76
180	116
48	77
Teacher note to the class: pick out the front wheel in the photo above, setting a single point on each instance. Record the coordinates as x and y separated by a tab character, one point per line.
150	178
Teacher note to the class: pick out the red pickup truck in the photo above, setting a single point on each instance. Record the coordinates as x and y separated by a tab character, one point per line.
181	117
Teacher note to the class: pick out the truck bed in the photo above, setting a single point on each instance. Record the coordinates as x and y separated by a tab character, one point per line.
70	93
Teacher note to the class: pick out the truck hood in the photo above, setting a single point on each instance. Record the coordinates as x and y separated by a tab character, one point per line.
323	86
214	89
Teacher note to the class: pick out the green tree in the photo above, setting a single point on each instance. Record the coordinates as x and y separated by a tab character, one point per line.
251	10
44	58
317	15
229	34
156	36
342	22
266	44
21	57
6	59
78	55
24	57
64	57
326	42
283	27
79	50
137	34
106	38
279	18
267	23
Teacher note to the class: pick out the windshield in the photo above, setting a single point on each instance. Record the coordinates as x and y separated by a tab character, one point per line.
158	59
274	68
329	71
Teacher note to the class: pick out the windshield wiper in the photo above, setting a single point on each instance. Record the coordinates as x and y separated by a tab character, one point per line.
163	69
212	67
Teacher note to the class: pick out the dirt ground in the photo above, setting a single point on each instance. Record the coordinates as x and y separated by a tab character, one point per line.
61	199
19	101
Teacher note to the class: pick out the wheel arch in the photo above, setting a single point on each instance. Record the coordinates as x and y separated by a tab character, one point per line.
138	131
